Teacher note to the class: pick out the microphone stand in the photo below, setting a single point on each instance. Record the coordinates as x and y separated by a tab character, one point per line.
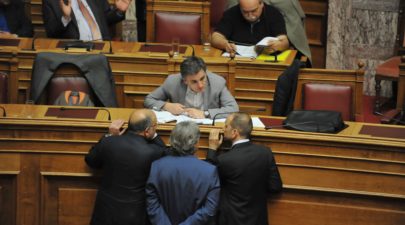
4	111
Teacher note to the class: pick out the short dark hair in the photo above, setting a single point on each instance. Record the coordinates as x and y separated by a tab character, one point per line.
192	65
140	125
243	123
184	137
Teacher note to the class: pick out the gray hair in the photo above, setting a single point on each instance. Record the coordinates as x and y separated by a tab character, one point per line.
184	137
191	66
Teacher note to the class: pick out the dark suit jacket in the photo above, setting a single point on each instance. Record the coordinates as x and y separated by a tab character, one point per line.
247	173
182	190
52	15
17	21
94	67
126	162
286	87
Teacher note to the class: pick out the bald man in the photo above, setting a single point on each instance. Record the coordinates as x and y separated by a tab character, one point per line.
125	158
248	23
248	173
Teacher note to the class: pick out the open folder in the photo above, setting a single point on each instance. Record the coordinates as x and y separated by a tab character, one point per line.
250	52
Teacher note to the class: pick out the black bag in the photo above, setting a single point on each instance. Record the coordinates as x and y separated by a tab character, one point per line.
315	121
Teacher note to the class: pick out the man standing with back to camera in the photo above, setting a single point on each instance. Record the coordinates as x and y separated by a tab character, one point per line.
125	158
247	172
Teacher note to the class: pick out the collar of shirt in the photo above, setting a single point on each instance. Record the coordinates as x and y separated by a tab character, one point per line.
240	142
194	99
84	28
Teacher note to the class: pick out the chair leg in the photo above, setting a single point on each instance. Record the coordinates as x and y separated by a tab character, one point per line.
377	103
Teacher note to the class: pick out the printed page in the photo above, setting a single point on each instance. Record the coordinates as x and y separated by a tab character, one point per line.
265	40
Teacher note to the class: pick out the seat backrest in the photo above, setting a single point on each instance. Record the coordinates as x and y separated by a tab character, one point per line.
66	78
186	27
57	85
217	10
318	96
187	20
3	87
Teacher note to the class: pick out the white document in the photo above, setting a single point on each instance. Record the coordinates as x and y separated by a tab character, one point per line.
165	117
265	40
257	123
249	51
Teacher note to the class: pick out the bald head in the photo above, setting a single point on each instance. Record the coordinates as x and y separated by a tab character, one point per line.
141	119
251	9
241	122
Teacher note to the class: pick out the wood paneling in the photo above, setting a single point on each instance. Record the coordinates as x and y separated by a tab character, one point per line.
344	178
316	26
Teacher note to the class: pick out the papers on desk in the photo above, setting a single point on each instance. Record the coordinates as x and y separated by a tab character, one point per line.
249	51
165	117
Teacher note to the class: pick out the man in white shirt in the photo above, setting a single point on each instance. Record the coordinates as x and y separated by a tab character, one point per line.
82	19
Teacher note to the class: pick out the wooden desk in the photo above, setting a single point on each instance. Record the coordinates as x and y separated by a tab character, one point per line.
137	73
355	177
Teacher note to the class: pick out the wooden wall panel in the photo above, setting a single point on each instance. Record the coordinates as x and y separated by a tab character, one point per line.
339	179
316	25
311	207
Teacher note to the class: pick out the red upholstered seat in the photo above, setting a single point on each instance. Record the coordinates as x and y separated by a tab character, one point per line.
3	87
57	85
217	9
186	27
332	97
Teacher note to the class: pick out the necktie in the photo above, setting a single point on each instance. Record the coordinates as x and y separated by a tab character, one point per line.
90	21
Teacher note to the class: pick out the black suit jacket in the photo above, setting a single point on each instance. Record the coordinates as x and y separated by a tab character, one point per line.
94	67
17	21
286	87
247	172
126	162
102	11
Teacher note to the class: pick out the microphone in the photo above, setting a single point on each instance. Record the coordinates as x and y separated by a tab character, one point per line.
4	111
391	118
111	50
32	44
92	108
193	52
246	111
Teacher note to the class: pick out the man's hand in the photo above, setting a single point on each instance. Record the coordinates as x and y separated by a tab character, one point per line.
174	108
115	127
195	113
122	5
215	139
230	47
66	9
280	44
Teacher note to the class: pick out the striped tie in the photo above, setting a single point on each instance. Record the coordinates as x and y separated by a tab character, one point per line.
90	21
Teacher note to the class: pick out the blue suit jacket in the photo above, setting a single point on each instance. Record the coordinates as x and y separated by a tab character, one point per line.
182	190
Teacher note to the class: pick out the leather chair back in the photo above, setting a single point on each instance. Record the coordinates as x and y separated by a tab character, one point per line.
186	27
57	85
332	97
217	9
3	87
